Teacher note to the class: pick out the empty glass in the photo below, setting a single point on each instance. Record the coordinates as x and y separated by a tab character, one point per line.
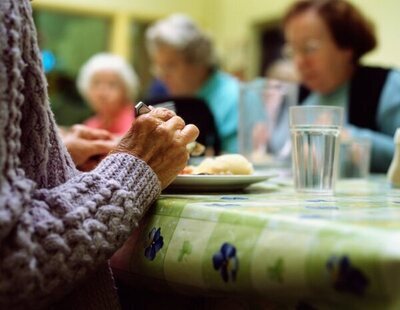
315	134
355	156
263	118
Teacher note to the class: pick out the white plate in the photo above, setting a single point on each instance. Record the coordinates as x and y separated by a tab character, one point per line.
212	183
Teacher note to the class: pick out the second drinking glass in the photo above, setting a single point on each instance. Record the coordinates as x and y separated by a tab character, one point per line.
315	132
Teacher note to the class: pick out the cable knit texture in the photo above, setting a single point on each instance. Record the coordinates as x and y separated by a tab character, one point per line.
58	227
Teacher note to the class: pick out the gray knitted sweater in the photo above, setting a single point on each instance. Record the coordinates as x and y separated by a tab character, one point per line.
58	227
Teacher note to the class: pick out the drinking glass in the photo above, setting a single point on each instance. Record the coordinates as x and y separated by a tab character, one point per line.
355	157
263	133
315	134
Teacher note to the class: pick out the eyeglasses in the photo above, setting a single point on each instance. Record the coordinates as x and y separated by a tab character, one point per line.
309	48
165	69
158	71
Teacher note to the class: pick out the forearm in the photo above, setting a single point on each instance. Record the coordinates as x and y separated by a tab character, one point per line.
65	232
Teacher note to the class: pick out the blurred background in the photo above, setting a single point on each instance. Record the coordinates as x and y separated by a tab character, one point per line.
246	33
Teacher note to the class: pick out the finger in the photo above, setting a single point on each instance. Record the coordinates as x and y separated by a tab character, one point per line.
189	133
146	120
117	138
99	147
175	123
162	113
94	134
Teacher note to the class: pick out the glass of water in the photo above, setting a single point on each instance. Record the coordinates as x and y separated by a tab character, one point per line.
355	157
315	134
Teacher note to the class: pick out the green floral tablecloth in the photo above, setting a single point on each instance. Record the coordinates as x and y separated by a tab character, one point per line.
268	242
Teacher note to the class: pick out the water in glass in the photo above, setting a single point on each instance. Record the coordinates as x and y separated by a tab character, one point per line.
315	156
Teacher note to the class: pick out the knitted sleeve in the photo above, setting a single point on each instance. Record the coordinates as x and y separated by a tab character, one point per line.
50	238
56	225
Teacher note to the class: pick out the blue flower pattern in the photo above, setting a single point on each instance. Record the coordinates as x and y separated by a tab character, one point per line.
226	262
156	242
345	277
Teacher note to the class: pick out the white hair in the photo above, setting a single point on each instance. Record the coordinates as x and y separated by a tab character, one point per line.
181	33
108	62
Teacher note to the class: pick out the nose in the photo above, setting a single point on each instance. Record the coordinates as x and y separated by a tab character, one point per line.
300	62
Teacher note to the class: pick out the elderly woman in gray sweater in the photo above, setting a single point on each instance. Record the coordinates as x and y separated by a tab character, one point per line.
58	227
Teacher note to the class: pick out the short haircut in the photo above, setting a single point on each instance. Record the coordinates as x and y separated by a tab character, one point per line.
180	33
108	62
348	26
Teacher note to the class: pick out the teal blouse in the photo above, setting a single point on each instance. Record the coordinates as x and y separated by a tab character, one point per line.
221	93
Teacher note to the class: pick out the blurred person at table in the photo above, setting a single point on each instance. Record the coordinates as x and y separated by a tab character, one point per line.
184	60
58	226
109	85
157	89
326	39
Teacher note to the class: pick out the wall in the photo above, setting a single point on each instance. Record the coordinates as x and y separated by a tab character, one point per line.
232	30
384	14
123	12
233	24
148	8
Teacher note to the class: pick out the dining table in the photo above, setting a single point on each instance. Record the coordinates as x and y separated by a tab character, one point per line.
266	244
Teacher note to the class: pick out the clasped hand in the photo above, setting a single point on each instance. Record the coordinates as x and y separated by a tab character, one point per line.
160	138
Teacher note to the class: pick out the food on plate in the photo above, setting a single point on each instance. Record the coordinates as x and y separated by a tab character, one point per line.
224	164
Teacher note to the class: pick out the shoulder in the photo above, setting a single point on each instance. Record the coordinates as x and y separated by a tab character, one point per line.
370	82
394	76
373	70
392	82
220	86
227	78
226	83
391	90
371	74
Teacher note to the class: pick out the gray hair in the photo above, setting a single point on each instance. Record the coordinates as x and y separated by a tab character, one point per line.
108	62
181	33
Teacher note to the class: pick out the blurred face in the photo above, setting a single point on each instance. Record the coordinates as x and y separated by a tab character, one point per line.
107	93
322	65
180	76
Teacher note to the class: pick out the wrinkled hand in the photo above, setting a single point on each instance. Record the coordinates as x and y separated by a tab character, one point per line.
87	146
160	138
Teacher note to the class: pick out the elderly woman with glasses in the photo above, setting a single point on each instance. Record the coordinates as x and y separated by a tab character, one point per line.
184	60
326	39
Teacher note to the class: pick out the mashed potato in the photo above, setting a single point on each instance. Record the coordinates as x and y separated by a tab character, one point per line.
224	164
